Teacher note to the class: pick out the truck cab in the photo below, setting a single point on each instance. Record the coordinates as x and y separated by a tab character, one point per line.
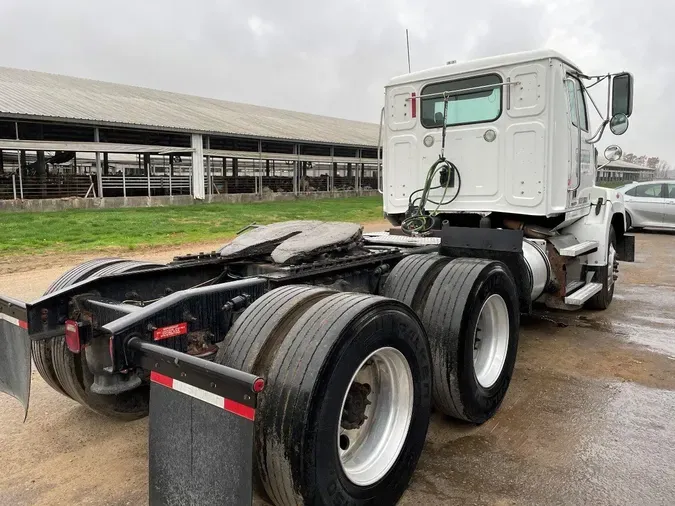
506	142
517	129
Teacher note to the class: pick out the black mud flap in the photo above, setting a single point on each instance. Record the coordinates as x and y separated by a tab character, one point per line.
14	351
625	248
199	453
201	429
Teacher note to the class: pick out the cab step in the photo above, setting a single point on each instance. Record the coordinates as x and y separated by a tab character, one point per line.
578	249
581	295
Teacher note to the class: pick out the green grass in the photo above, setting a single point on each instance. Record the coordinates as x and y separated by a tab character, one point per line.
86	230
612	184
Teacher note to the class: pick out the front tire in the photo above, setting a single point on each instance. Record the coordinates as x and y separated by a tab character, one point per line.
604	297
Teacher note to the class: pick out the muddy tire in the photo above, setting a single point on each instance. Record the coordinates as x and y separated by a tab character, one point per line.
472	319
315	401
255	337
603	298
70	371
41	351
252	342
411	279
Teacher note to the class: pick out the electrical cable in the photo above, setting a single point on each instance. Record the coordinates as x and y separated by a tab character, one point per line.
421	222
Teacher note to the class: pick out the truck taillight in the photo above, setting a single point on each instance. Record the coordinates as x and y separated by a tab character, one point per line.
73	336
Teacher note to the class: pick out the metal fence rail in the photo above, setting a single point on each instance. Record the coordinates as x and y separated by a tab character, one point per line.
46	187
138	186
231	176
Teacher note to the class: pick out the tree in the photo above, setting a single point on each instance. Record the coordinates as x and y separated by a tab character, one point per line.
663	169
630	157
641	160
653	162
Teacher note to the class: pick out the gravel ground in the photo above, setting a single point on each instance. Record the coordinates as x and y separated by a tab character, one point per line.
587	420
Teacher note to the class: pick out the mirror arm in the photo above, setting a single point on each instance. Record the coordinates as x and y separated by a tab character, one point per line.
597	109
598	133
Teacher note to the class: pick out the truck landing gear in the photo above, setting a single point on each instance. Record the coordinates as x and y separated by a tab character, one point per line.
347	401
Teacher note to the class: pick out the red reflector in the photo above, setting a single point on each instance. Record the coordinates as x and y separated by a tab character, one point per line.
413	108
161	379
171	331
73	336
239	409
23	324
258	385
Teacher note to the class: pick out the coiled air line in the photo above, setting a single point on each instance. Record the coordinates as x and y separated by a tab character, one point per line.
420	221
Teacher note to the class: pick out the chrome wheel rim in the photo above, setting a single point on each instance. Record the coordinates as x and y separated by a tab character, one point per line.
612	266
375	416
491	341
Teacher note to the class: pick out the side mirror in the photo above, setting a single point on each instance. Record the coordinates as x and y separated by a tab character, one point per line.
622	94
618	124
613	153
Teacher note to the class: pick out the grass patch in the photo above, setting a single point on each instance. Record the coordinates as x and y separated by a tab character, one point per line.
612	184
84	230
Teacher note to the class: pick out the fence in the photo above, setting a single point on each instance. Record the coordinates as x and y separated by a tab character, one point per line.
13	187
222	176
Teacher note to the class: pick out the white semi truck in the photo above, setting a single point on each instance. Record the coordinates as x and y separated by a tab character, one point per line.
302	360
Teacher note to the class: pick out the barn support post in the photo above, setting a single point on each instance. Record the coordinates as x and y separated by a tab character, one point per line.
209	175
198	192
22	169
99	179
295	170
146	166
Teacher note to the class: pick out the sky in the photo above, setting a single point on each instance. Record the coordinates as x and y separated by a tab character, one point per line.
334	58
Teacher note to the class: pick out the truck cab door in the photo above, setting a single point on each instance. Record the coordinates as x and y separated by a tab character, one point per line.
581	171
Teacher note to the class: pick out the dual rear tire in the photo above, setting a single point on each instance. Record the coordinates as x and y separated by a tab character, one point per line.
67	372
346	407
470	310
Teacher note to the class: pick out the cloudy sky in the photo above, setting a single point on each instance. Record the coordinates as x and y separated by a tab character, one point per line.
333	57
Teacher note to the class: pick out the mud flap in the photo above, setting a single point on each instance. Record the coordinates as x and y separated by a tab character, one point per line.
625	248
15	361
201	447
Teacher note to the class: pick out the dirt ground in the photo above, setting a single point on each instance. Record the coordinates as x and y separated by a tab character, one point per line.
588	418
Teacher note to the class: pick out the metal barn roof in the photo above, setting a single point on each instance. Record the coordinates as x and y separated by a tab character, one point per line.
42	96
622	164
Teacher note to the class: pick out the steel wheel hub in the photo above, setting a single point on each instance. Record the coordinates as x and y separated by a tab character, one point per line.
375	416
612	266
491	341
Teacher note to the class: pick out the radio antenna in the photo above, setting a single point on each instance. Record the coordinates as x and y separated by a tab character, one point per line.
407	43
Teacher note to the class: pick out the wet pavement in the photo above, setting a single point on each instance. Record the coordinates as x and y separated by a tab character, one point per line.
589	417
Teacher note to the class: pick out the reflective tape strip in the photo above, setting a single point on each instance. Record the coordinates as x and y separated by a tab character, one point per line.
14	321
198	393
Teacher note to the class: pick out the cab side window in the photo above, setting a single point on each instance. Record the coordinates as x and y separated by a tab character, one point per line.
576	95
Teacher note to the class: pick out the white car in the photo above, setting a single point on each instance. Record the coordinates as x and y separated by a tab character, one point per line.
649	204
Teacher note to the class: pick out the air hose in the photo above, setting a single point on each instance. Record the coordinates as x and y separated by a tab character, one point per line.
419	221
